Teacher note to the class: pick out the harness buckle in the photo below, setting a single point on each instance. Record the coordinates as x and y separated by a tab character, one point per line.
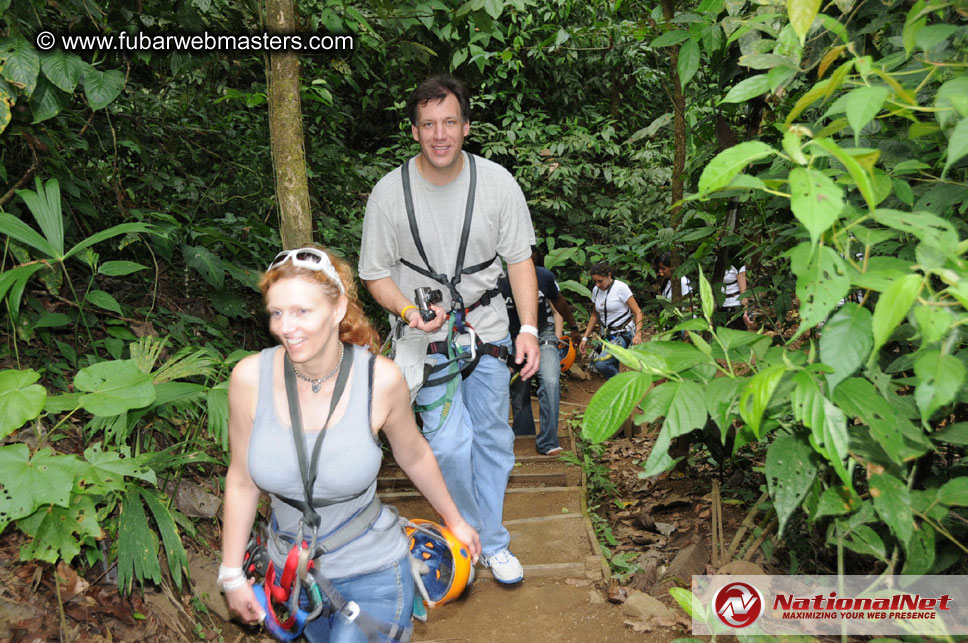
351	610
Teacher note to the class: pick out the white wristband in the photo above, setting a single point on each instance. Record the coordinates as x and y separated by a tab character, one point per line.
529	329
230	578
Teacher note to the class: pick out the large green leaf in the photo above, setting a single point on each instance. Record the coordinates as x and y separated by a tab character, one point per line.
206	263
862	105
892	307
20	399
217	408
791	468
120	268
45	205
22	64
933	322
114	387
137	544
47	102
858	398
103	300
52	530
62	68
174	550
940	378
816	201
107	470
101	87
950	101
30	482
747	89
845	342
957	145
802	14
14	228
861	177
721	398
671	37
926	226
836	441
954	493
757	394
822	282
612	404
6	102
728	163
808	403
688	63
914	21
893	504
957	433
103	235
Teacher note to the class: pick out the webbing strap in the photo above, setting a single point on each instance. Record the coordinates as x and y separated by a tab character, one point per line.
451	283
309	471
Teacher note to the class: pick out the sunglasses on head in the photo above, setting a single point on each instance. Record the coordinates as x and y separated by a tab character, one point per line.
311	259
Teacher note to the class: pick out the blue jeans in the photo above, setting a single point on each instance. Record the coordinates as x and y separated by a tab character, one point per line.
549	397
385	594
475	445
605	363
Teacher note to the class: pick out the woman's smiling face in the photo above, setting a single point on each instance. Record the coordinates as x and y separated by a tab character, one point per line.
304	318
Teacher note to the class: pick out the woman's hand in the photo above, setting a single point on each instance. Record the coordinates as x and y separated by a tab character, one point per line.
242	601
582	345
467	535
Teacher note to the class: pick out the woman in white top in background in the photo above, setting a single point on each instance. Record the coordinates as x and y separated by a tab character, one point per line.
615	307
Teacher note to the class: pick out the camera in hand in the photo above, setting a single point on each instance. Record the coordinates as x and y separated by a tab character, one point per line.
424	298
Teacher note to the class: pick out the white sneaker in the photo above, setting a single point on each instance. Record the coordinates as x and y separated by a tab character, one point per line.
505	566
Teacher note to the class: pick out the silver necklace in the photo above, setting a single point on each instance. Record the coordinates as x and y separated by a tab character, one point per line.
318	382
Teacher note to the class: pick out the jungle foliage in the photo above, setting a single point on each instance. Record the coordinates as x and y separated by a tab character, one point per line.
139	208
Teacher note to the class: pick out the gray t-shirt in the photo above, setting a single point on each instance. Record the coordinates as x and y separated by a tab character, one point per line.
501	226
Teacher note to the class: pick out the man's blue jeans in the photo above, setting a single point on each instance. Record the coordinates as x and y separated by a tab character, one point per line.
475	445
385	594
549	397
605	363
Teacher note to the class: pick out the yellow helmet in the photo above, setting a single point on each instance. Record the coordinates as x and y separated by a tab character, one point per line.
444	563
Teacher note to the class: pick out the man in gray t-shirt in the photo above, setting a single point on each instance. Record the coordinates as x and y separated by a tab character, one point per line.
469	433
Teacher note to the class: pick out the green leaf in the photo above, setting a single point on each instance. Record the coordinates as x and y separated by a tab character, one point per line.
954	493
757	394
950	102
52	320
790	470
174	550
816	201
22	64
940	379
862	105
893	504
45	206
808	403
206	263
114	387
107	470
725	165
103	235
6	102
217	410
20	399
892	307
52	530
846	342
866	541
28	483
494	8
120	268
63	69
857	397
688	61
860	176
957	145
721	397
101	87
682	404
747	89
706	297
955	434
926	226
919	552
916	19
46	102
669	38
802	14
836	441
612	404
834	501
931	36
103	300
933	323
137	545
822	282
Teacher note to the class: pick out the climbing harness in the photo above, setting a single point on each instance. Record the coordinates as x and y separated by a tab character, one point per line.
283	591
459	359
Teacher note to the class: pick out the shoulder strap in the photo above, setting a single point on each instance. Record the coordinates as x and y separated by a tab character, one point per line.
309	472
465	232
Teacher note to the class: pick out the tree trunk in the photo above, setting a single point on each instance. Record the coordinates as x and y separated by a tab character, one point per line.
679	135
286	132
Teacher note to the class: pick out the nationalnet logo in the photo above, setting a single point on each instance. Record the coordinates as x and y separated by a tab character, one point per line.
933	605
738	604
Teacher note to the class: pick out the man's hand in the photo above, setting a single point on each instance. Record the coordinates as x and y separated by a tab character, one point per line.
526	346
415	320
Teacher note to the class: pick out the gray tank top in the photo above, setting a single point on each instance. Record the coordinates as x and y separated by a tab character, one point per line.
349	462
